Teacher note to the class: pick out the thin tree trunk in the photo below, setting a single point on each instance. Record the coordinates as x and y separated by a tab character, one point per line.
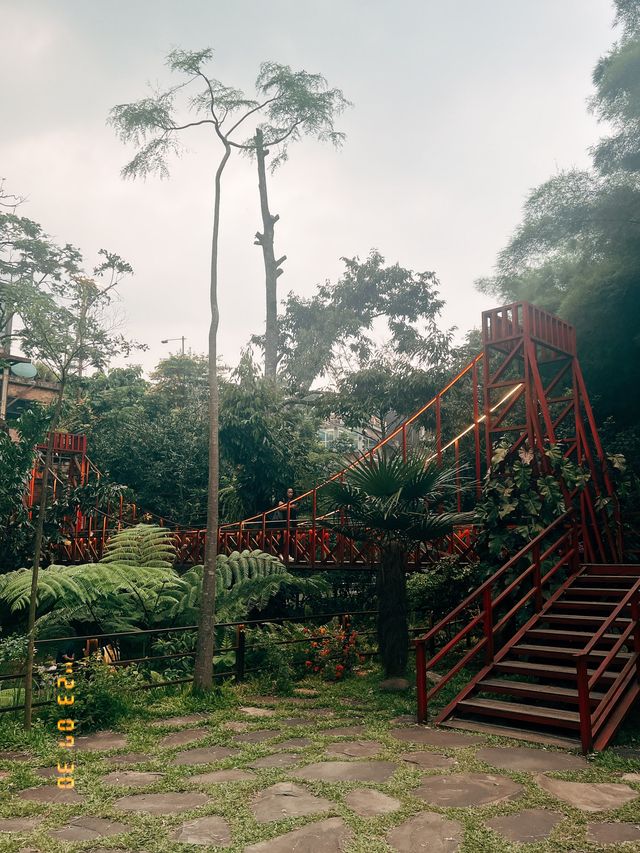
393	626
271	265
37	555
203	667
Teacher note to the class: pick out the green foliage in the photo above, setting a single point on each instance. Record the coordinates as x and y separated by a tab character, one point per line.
104	695
135	586
13	651
16	463
438	589
519	500
577	249
385	499
340	318
143	546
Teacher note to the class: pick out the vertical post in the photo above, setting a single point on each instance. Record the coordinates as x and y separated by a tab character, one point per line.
438	429
287	534
635	618
314	515
476	427
487	605
458	491
240	652
537	577
264	531
584	705
421	681
575	545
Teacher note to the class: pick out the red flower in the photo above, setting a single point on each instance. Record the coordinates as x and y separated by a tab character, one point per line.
308	663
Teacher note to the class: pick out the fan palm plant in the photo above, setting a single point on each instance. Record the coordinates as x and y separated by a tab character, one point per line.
390	503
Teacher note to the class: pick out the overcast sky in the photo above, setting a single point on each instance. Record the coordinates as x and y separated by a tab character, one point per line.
460	108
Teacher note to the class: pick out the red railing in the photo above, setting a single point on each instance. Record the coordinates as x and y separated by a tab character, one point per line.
554	548
596	721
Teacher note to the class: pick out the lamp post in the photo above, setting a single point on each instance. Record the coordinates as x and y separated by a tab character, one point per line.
181	338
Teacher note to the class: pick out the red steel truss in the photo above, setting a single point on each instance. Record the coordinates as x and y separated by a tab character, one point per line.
525	387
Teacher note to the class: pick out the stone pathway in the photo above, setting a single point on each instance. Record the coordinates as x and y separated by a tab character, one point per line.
343	780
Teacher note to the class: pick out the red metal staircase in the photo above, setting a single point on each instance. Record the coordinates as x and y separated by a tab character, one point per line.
568	638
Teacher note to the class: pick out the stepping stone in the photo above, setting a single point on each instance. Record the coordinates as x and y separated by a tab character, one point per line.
161	804
404	720
217	777
427	760
522	758
47	772
131	778
612	833
256	737
187	720
11	755
183	737
627	752
129	758
463	790
294	722
4	774
347	771
87	828
206	755
51	794
20	824
324	836
101	740
367	802
278	759
355	748
589	796
426	833
307	692
435	737
631	777
257	712
526	827
236	726
343	731
294	743
287	800
206	831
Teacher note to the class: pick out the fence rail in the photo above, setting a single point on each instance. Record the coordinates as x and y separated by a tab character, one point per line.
240	647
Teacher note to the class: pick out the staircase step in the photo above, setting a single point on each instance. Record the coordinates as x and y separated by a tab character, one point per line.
552	672
559	651
598	592
578	619
526	713
508	731
534	691
617	580
566	635
582	606
612	569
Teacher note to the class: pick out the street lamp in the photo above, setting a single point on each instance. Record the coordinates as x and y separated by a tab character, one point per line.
181	338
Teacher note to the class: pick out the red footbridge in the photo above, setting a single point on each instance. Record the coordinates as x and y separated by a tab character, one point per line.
553	636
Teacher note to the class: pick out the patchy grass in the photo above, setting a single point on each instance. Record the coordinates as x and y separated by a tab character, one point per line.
354	701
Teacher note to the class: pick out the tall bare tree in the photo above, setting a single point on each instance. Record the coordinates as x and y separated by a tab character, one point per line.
302	105
154	125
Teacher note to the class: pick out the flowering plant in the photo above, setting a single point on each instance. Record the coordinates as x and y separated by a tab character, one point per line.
333	649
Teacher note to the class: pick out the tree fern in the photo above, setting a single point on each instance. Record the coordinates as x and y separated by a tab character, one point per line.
135	586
